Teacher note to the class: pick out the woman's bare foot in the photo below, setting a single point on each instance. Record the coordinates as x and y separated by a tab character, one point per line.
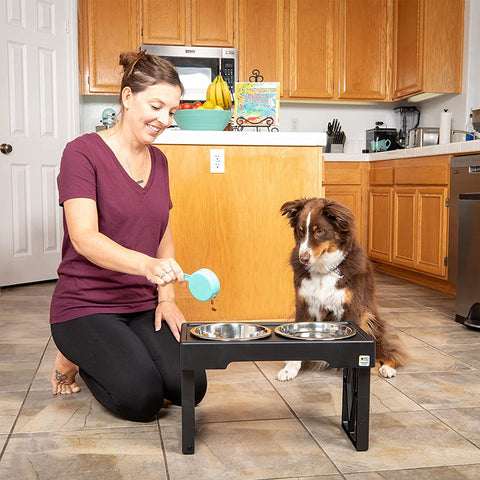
63	376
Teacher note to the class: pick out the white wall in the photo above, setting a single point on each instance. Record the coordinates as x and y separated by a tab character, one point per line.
356	118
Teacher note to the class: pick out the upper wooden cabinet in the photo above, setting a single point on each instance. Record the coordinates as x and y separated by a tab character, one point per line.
261	30
188	22
428	47
164	22
310	34
364	47
311	51
106	28
366	50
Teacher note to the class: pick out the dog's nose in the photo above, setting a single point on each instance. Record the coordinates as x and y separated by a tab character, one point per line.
305	258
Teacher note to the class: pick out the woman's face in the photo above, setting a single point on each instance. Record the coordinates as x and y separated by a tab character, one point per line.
150	112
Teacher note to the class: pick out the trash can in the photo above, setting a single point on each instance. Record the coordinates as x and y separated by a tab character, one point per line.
468	276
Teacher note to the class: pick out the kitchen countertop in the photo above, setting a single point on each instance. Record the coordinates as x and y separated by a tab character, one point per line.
447	149
194	137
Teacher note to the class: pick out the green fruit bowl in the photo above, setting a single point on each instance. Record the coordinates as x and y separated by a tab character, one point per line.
202	119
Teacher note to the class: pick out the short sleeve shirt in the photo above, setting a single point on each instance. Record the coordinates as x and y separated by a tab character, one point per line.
128	214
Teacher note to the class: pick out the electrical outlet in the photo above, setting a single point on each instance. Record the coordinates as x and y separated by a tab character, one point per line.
217	160
294	124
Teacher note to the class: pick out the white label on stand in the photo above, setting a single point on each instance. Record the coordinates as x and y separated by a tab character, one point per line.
363	360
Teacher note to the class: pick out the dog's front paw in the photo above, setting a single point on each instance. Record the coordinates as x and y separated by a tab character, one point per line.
386	371
289	372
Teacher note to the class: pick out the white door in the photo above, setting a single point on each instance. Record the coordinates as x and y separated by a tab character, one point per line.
39	102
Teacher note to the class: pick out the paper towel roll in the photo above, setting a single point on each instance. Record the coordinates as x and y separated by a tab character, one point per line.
445	127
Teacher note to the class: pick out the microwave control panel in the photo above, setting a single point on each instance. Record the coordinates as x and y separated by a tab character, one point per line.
228	72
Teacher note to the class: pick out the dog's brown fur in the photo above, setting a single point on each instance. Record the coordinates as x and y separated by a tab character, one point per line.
331	229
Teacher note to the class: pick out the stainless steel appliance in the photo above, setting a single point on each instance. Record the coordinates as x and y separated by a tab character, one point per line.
423	136
409	117
468	280
464	178
198	66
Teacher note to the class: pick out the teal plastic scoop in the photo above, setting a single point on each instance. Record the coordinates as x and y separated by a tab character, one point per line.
203	284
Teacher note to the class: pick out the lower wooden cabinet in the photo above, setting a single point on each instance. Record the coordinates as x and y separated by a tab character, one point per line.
408	221
432	221
380	223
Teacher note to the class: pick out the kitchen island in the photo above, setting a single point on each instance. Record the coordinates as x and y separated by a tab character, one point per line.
231	223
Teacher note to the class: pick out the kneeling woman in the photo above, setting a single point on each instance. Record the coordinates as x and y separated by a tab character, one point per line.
113	313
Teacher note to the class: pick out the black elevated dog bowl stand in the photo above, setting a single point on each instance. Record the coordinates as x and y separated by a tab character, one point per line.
356	355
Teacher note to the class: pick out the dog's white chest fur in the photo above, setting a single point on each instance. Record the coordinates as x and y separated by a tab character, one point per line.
320	291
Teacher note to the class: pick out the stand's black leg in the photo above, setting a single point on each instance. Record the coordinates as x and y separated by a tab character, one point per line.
355	406
188	411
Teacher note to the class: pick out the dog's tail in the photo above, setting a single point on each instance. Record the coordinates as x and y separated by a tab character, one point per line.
389	348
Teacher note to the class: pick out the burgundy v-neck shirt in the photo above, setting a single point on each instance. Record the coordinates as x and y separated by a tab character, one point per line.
128	214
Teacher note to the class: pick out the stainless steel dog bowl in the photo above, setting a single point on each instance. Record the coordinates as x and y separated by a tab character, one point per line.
230	331
316	330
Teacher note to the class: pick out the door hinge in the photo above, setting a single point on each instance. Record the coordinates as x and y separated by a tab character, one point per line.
447	202
445	261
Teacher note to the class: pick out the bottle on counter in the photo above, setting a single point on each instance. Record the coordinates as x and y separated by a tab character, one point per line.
470	131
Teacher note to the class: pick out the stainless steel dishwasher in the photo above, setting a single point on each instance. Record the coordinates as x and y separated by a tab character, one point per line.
468	277
464	178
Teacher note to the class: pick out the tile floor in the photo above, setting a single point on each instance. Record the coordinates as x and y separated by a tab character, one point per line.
425	423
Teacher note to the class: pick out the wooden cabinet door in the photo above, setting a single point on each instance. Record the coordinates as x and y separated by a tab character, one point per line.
404	227
364	49
164	22
231	223
311	48
261	39
408	48
106	28
380	224
212	23
432	230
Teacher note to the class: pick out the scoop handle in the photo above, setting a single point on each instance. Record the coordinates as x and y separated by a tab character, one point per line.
186	276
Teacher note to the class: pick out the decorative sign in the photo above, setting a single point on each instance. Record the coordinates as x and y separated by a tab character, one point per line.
257	103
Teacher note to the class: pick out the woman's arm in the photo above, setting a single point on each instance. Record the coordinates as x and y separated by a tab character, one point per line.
167	308
82	221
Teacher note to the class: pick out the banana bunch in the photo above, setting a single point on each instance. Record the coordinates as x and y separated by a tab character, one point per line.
219	94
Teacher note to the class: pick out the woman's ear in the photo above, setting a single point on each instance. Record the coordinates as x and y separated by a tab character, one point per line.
127	96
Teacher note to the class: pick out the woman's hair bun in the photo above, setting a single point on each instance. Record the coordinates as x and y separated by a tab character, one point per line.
127	59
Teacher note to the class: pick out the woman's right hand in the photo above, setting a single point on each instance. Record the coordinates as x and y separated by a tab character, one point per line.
164	271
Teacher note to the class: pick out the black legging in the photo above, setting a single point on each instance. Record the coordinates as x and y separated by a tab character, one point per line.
129	368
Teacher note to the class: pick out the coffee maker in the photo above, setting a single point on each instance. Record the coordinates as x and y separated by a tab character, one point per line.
409	117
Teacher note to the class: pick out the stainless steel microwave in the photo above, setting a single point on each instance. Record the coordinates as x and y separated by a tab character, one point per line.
198	66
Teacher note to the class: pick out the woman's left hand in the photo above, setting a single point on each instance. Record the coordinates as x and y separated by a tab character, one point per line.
169	312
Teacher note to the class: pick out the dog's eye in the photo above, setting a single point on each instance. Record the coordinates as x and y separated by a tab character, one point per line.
318	233
300	231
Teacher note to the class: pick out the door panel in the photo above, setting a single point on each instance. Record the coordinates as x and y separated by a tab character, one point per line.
363	49
380	224
404	227
311	48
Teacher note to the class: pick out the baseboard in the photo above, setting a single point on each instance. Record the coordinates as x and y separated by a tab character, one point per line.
415	277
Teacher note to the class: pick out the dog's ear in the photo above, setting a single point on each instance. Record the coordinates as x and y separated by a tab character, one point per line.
340	215
292	209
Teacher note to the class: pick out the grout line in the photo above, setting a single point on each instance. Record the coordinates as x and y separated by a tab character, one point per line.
162	443
10	433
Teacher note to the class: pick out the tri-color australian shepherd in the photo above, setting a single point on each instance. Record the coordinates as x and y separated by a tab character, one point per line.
333	278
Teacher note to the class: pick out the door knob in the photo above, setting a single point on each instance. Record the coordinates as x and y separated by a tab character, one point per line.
5	148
